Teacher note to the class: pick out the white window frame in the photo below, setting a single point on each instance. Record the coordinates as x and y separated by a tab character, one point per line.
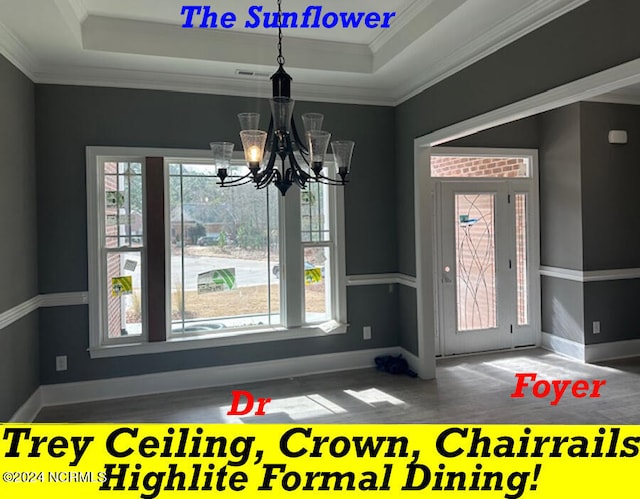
291	308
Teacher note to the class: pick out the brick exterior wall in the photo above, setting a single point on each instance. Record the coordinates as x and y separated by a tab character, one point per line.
460	166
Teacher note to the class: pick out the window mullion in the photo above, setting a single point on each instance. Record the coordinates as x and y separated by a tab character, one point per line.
338	262
155	249
291	258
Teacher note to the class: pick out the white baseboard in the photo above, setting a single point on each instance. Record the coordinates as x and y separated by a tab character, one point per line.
563	346
591	353
413	360
613	350
147	384
30	409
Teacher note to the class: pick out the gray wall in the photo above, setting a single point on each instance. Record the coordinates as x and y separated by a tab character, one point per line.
562	301
588	208
615	305
70	118
610	180
562	304
560	188
19	375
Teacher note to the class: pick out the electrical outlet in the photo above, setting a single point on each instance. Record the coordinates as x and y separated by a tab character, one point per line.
61	363
596	327
366	332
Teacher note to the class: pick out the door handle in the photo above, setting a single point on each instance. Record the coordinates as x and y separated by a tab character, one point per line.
446	273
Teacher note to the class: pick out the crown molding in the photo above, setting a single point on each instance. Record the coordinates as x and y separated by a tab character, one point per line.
240	87
15	51
510	30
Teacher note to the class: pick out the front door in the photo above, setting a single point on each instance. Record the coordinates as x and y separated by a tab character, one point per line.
484	266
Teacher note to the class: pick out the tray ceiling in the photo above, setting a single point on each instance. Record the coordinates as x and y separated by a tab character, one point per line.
141	44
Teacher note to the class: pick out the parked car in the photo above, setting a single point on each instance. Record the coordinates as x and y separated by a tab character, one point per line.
209	240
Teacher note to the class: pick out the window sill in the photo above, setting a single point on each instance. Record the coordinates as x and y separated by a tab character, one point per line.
218	340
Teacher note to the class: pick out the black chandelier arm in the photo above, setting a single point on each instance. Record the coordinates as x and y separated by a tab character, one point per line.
267	177
245	179
273	153
230	180
321	179
295	173
270	129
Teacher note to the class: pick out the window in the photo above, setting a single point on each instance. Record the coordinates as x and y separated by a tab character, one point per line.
224	252
317	248
234	265
119	242
466	166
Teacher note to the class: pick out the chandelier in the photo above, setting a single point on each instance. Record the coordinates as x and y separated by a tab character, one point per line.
282	143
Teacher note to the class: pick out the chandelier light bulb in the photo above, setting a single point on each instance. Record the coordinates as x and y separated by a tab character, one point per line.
254	154
253	143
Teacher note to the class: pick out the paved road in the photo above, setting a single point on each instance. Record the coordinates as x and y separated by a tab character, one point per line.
248	272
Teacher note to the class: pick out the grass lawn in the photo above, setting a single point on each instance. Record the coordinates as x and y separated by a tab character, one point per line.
242	301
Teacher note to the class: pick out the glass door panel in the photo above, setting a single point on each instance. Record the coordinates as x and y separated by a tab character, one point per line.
475	285
475	261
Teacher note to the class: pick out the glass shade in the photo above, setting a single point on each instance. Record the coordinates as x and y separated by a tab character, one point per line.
342	151
249	121
318	141
253	144
312	121
281	111
222	153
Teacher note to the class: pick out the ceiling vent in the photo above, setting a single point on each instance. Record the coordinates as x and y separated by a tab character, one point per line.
252	74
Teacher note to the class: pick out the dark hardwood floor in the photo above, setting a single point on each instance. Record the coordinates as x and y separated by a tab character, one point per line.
473	389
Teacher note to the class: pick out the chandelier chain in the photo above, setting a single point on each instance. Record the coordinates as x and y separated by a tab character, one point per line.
280	58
